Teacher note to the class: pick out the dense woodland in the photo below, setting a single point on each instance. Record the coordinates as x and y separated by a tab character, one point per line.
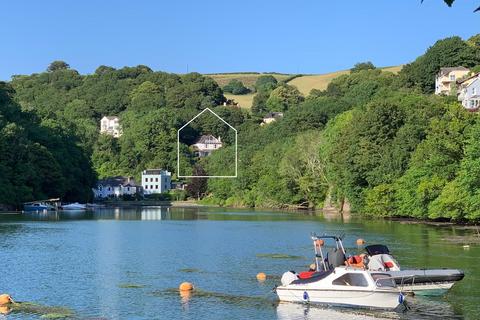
377	140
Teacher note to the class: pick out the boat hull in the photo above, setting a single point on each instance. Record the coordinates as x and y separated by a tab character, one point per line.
366	299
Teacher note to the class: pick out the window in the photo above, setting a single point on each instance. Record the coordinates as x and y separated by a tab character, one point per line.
151	187
474	90
383	280
146	179
156	179
156	186
128	188
351	279
452	77
151	179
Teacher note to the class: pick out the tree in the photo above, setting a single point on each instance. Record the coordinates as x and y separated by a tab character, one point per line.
197	187
284	97
360	66
58	65
449	52
266	83
236	87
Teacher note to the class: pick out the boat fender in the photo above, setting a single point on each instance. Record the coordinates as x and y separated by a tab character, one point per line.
5	299
306	298
401	298
288	277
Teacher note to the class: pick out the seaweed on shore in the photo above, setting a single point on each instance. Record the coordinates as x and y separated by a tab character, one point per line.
131	286
278	256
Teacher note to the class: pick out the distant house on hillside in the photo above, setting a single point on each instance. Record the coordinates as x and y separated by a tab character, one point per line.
206	145
469	92
271	117
156	181
446	79
115	187
111	125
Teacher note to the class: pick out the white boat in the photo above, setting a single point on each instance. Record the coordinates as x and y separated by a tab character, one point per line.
74	206
335	283
419	281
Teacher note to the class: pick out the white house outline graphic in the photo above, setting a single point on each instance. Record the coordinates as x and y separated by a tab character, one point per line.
178	147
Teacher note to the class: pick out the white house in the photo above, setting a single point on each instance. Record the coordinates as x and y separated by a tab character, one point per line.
115	187
446	79
206	145
271	117
111	125
156	181
469	93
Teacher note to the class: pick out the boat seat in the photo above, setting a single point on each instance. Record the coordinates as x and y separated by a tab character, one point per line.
314	276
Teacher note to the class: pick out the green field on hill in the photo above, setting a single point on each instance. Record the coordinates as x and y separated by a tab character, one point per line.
304	83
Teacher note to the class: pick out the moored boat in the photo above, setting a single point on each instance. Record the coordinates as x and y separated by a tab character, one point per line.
38	207
334	283
74	206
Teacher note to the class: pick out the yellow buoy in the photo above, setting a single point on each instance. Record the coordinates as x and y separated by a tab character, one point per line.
261	276
5	299
185	286
360	242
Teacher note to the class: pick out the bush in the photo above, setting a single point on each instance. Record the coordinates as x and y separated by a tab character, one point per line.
236	87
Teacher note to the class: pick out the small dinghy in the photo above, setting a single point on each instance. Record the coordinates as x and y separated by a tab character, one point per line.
335	282
419	281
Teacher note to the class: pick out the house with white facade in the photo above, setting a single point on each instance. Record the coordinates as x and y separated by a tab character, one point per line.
156	181
206	145
469	93
446	79
115	187
111	125
271	117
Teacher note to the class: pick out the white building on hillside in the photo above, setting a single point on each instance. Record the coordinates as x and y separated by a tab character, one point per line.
206	145
111	125
156	181
115	187
447	78
271	117
469	93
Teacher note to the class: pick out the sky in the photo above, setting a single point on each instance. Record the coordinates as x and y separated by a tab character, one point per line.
300	36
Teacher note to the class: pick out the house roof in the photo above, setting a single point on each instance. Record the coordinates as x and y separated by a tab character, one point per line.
469	78
156	172
274	115
111	117
208	139
447	70
117	181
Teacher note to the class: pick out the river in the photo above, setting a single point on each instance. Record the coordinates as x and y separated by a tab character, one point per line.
127	263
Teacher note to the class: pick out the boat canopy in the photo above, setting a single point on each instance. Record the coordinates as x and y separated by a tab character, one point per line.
375	249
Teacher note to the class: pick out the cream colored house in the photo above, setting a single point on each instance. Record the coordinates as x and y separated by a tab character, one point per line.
111	125
271	117
446	79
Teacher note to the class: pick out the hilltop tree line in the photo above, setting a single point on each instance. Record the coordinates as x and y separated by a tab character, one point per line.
377	140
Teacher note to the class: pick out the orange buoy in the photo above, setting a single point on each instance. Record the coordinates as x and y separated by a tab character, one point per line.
360	242
5	299
261	276
185	286
319	242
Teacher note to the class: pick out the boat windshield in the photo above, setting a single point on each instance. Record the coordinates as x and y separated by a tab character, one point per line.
351	279
383	280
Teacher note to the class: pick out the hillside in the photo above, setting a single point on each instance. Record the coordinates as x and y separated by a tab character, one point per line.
304	83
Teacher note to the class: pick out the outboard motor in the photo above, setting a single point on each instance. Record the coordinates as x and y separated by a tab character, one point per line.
380	259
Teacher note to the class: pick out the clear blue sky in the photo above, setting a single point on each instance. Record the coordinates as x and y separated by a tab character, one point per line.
305	36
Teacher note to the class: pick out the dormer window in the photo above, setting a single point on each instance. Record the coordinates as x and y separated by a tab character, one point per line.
452	77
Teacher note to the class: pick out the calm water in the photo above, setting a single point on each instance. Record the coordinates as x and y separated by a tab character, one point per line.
126	263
